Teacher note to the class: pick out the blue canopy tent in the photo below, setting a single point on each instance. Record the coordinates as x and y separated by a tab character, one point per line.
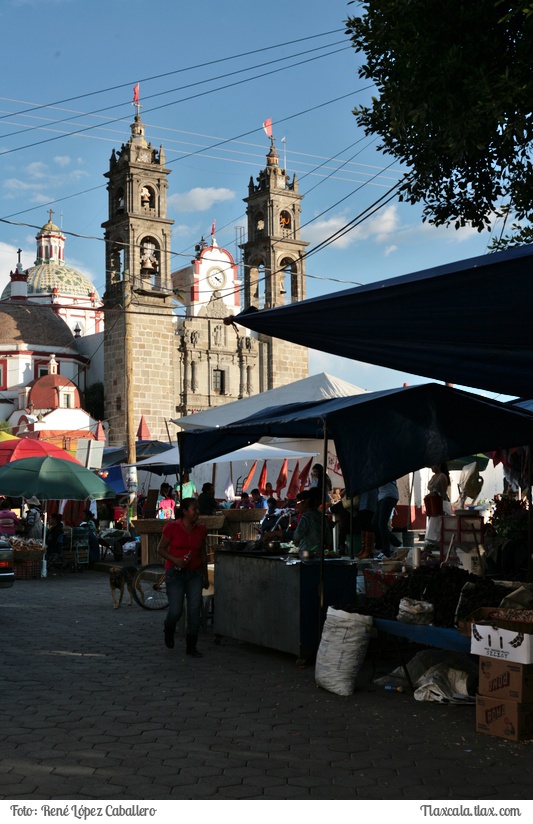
466	323
378	436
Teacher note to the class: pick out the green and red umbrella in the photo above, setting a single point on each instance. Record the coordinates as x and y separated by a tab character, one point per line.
14	450
51	479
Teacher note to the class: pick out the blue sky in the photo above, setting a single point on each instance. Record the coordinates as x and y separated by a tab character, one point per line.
209	74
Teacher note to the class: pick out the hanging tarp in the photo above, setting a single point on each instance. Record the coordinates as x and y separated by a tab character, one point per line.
466	323
379	436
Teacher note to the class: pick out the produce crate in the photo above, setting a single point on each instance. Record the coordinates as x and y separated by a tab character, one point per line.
27	570
378	582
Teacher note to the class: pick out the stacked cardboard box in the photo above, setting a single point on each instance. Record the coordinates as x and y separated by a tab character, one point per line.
504	704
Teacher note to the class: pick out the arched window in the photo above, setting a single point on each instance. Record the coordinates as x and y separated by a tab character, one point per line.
149	254
147	197
285	222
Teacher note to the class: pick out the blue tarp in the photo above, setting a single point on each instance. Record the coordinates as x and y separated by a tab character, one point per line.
467	323
379	436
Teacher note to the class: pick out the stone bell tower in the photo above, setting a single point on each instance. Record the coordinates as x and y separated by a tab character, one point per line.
274	265
139	336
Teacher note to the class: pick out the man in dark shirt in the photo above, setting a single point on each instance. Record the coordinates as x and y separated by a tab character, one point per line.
207	502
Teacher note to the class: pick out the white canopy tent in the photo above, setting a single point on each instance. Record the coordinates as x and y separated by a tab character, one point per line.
314	388
233	465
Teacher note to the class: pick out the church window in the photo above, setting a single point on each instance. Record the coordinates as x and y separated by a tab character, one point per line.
120	201
259	224
285	221
67	400
150	260
40	368
219	382
147	197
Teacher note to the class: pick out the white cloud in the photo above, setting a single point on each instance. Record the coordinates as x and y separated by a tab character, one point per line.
390	249
37	170
62	160
382	228
198	199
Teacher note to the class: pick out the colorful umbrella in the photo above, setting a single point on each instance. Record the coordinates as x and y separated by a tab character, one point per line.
263	479
5	436
248	479
51	479
294	486
14	450
304	474
283	477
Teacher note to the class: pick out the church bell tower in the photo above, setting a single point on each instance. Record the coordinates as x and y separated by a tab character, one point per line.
274	264
139	337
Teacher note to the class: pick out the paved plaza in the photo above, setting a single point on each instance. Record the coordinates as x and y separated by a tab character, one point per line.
94	706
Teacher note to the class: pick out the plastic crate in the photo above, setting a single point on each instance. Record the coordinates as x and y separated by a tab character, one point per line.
27	570
378	582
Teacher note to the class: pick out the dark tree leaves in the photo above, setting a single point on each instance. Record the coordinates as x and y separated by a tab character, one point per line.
454	98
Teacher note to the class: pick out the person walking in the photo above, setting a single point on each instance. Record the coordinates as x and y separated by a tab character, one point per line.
8	518
183	546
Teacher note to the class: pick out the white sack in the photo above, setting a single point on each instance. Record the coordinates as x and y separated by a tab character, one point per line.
342	650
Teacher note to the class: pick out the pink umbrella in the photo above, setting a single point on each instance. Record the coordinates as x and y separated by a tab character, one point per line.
31	448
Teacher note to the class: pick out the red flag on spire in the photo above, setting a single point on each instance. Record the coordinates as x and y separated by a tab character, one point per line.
304	474
294	486
136	93
248	479
283	477
267	126
263	479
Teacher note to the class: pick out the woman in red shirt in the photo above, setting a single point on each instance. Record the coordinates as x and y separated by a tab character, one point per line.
182	545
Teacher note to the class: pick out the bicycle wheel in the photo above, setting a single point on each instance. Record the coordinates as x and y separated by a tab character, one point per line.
149	588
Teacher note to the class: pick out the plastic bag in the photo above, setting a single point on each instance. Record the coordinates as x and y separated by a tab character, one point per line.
342	650
415	612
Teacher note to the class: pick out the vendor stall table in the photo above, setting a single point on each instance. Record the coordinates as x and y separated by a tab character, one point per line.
462	524
265	601
425	634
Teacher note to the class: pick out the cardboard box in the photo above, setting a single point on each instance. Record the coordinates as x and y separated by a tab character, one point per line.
505	644
504	718
505	679
481	616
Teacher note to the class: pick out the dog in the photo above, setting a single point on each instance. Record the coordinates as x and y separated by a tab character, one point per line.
119	579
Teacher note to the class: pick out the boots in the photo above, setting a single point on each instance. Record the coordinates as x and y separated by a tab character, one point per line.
191	646
367	545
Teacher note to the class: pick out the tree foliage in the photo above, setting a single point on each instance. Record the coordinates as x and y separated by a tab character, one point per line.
455	95
94	400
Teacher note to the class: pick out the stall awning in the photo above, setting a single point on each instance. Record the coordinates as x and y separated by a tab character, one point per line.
379	436
467	323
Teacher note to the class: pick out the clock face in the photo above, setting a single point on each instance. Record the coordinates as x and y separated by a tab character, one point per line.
216	278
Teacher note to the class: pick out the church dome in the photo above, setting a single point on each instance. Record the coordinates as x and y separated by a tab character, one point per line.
21	323
44	392
50	271
44	277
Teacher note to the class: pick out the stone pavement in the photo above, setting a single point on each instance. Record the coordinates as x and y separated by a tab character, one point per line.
94	706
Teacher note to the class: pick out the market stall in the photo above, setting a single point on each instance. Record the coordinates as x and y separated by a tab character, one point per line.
274	602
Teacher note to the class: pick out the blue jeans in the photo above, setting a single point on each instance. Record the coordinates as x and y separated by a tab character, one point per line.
380	522
181	584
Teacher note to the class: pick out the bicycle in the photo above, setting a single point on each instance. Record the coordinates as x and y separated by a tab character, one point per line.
149	587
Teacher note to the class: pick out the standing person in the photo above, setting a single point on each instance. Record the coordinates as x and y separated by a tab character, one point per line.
388	497
54	538
90	524
318	478
185	489
207	502
182	545
34	521
367	508
165	503
258	502
8	518
439	484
